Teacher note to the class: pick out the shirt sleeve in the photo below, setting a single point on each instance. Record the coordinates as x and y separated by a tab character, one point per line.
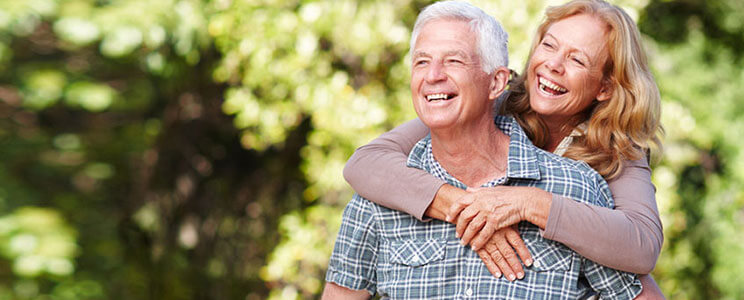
611	283
628	238
354	258
378	171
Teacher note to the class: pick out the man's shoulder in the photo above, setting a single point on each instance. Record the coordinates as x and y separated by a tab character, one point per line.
557	161
522	149
417	156
359	203
364	209
564	176
576	179
360	212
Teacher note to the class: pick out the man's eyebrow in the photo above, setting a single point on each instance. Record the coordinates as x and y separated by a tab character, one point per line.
420	54
458	53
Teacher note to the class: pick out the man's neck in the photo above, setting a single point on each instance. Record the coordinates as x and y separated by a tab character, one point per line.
474	155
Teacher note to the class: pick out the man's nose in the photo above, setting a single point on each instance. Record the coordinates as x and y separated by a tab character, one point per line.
435	73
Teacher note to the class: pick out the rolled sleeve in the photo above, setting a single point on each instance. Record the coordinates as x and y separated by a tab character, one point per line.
354	258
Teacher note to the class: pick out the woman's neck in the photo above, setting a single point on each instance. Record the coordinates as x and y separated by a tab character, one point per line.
557	131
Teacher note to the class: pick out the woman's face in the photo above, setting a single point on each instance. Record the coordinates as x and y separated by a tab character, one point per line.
565	71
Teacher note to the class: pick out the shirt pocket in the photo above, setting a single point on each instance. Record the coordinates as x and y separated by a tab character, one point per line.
549	255
415	253
414	269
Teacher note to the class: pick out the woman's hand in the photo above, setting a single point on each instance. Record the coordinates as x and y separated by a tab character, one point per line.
499	256
484	210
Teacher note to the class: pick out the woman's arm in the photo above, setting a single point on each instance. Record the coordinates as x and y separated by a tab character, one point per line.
651	290
378	171
628	238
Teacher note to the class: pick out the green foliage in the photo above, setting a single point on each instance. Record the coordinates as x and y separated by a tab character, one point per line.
700	179
38	242
193	149
298	263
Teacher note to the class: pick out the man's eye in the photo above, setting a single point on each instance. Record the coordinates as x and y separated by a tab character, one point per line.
547	45
420	63
454	61
578	61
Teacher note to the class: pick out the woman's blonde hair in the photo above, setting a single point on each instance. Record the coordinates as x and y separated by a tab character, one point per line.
624	127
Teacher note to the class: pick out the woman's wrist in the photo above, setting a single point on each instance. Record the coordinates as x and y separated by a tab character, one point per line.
536	207
443	200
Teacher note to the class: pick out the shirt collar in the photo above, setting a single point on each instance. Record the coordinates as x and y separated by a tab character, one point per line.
566	141
522	162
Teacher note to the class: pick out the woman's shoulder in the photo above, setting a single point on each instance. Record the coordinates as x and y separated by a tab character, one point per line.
636	163
633	171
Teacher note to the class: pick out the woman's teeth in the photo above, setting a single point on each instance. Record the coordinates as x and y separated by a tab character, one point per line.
549	87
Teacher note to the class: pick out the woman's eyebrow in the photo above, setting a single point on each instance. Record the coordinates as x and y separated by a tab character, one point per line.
547	34
577	50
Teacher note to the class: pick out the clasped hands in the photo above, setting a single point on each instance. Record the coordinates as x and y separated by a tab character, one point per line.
486	219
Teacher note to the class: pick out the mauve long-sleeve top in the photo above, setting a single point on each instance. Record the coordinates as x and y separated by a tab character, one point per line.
627	238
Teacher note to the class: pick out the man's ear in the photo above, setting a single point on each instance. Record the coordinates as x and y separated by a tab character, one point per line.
605	92
499	81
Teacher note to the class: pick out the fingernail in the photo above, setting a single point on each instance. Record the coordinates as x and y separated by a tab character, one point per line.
520	275
498	275
462	242
457	234
511	277
528	262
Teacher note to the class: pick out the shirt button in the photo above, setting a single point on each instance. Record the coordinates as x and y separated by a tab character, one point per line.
469	292
415	258
536	264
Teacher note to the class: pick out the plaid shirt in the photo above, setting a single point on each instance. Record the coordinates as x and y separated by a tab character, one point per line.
391	253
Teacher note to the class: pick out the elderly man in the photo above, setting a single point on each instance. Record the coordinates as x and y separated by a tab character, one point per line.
458	69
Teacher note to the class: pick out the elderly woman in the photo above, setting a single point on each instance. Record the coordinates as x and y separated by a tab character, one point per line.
586	93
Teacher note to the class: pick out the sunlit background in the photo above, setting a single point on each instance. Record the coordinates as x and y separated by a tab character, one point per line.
163	149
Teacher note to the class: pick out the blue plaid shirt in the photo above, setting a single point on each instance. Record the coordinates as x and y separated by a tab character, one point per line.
392	253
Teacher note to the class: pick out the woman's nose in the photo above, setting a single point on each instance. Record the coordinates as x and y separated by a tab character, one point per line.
555	64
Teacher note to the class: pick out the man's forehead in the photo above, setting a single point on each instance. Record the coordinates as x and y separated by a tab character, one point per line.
453	52
445	37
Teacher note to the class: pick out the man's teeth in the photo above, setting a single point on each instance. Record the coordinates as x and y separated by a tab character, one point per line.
433	97
552	86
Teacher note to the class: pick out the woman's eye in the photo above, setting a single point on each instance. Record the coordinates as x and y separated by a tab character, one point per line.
578	61
454	61
546	44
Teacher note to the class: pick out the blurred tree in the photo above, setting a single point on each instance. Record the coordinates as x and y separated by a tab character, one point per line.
113	123
698	59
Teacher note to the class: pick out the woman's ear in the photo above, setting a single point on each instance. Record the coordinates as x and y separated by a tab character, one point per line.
605	92
499	81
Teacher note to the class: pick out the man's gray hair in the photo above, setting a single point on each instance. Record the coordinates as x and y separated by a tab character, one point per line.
490	36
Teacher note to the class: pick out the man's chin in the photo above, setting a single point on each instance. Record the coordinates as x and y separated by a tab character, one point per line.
439	123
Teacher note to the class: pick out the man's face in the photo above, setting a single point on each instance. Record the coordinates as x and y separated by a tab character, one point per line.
448	86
